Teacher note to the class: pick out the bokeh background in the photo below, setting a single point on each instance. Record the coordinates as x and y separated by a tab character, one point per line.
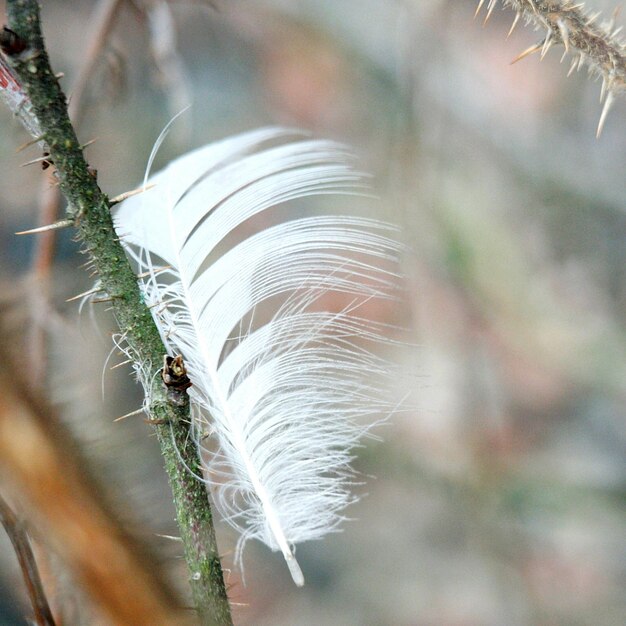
499	500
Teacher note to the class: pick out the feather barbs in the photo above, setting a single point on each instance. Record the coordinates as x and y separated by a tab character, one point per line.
283	384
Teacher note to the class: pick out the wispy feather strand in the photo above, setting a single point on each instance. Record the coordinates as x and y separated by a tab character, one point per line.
285	395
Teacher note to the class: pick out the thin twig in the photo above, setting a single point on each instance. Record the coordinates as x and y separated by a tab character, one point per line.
21	544
103	20
90	209
173	78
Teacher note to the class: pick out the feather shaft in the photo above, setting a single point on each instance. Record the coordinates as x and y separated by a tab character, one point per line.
222	401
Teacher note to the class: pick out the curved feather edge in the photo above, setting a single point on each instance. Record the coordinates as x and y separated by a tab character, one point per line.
284	389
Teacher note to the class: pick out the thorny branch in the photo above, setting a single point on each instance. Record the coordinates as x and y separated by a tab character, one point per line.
596	45
89	210
172	75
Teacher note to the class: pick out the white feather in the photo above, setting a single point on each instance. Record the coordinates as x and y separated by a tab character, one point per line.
284	394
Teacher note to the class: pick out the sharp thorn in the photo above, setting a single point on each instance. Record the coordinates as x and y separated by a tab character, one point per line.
547	44
161	302
84	294
592	18
122	337
490	7
128	194
155	271
43	229
564	34
101	300
478	8
171	537
123	417
59	75
30	143
572	68
91	141
605	111
515	21
527	52
40	159
121	364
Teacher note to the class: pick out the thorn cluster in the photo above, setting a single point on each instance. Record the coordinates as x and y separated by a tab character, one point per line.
596	45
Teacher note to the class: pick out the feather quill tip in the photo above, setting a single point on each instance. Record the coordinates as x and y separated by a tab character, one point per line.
294	570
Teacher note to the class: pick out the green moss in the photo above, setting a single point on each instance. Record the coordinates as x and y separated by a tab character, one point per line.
95	229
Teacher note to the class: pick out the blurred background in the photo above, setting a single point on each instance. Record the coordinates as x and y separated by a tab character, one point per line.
500	499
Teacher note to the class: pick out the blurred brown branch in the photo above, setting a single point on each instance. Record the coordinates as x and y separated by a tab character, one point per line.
41	465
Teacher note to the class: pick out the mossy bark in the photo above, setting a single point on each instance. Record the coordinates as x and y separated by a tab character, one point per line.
89	209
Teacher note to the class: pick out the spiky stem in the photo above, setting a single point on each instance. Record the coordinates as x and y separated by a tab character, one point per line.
597	46
89	208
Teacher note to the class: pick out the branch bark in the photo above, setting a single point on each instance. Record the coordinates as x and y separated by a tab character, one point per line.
89	209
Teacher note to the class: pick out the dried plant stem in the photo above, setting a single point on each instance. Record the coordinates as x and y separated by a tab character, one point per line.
21	544
89	208
598	46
